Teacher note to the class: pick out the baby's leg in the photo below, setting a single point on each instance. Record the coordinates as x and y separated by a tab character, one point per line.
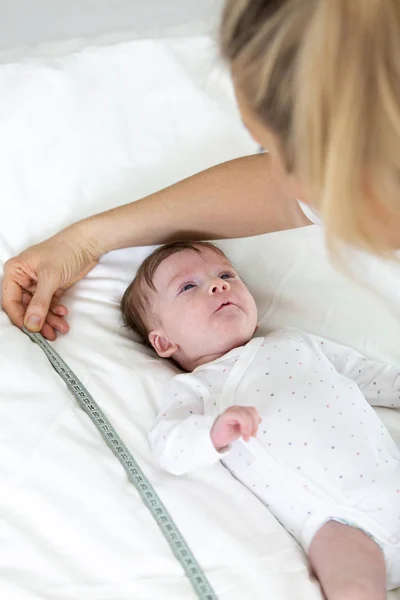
348	564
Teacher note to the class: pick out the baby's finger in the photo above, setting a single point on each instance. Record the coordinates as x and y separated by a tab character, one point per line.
256	421
247	426
254	426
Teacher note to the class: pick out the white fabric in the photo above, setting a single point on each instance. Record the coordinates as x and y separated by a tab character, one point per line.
320	452
48	21
80	133
310	213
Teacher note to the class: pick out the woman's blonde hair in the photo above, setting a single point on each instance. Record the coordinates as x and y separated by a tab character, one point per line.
324	76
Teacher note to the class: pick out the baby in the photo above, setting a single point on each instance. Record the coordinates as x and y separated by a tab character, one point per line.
284	413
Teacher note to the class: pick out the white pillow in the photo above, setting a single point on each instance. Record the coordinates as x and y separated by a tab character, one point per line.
79	134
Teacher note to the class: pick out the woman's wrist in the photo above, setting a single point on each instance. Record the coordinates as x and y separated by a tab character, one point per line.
107	231
84	235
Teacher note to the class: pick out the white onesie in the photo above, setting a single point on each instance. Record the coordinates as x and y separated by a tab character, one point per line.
321	452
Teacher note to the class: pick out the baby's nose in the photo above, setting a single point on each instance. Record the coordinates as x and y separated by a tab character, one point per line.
219	285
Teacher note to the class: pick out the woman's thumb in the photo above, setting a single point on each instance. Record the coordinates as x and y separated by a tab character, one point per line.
38	307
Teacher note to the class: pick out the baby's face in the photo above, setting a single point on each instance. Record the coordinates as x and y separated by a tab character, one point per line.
202	308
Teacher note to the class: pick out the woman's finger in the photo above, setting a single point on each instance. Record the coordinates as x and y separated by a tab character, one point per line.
48	332
59	292
55	319
31	288
57	309
57	323
38	307
11	302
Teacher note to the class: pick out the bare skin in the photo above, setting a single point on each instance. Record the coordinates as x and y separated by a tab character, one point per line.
348	564
242	197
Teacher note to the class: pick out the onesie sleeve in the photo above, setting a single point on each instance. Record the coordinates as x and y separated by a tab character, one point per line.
378	382
180	439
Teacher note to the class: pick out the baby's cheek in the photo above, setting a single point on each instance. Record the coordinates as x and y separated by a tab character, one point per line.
195	322
185	318
249	303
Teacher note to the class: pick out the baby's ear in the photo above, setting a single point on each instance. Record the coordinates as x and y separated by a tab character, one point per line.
161	344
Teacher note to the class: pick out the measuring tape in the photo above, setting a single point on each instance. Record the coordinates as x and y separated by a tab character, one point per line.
149	496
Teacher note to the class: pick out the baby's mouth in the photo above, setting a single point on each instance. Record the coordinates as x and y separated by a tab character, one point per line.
224	304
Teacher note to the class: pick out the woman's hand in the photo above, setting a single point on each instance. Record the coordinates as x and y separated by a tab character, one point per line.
235	422
35	280
248	200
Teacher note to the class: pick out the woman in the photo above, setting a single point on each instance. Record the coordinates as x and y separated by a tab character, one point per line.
318	84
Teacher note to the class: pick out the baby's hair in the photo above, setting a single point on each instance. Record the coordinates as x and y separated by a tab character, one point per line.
324	76
135	303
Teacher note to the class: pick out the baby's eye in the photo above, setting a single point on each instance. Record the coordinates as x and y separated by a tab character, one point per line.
187	287
227	275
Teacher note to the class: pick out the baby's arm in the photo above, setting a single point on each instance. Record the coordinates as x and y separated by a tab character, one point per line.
379	382
180	439
183	438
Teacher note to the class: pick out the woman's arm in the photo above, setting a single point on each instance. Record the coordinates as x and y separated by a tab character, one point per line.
235	199
238	198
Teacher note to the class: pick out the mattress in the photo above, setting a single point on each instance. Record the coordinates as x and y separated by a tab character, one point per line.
82	131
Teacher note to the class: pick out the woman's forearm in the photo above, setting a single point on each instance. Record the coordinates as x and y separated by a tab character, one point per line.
237	198
234	199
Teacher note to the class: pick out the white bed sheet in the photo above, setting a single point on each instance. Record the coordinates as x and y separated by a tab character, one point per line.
84	132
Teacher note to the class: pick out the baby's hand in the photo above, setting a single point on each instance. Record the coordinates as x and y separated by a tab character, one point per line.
235	422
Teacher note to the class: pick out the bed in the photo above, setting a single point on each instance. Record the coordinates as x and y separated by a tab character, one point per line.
87	124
